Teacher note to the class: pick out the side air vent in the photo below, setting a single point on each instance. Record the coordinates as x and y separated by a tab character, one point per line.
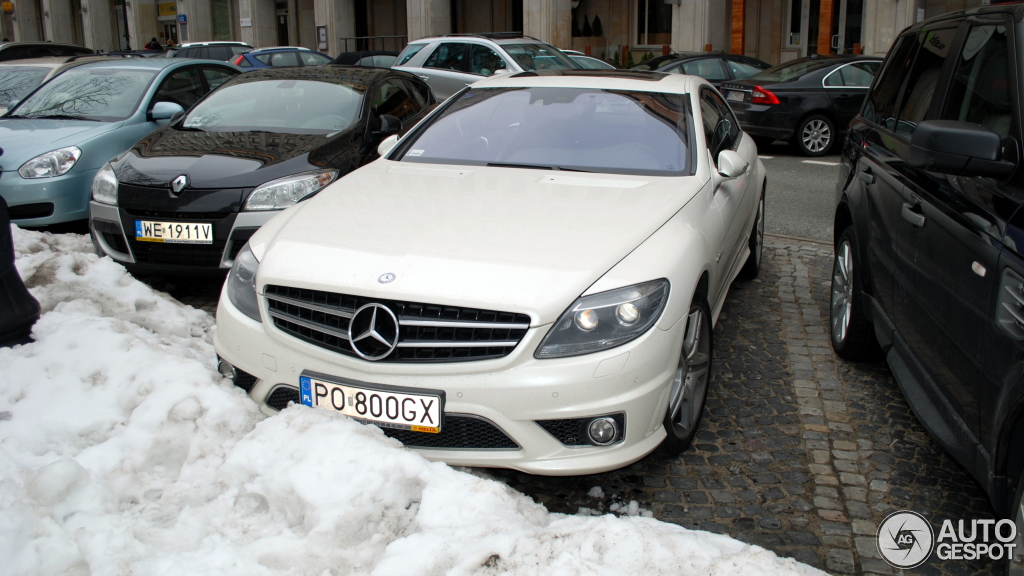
1010	309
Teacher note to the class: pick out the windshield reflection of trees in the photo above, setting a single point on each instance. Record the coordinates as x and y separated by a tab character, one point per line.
15	83
85	95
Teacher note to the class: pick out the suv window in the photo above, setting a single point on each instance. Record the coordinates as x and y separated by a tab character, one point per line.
924	77
881	103
393	98
484	61
407	54
181	87
980	88
708	68
447	56
219	53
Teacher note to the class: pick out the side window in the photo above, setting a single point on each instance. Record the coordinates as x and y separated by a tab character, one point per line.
742	68
447	56
284	59
677	69
924	77
220	53
217	76
728	126
856	75
710	116
484	61
181	87
244	63
407	54
980	91
881	103
414	91
707	68
191	53
313	59
383	61
392	98
423	90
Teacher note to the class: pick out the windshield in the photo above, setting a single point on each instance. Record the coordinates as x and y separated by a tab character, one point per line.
16	81
793	70
589	130
288	106
539	57
105	94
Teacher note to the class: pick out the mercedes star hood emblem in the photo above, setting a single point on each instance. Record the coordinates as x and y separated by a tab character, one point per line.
373	331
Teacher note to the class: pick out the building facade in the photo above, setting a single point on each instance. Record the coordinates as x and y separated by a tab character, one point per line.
772	30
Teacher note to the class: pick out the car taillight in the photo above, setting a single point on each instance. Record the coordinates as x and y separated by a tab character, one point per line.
761	96
238	61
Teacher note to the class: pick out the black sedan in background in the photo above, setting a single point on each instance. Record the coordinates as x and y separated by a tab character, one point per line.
808	102
188	196
713	67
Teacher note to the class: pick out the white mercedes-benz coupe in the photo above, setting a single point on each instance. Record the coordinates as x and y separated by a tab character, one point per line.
529	279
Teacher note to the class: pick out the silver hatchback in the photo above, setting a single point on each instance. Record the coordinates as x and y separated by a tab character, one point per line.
450	62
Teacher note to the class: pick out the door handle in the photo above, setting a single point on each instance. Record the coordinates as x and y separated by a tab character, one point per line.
913	215
866	176
422	77
835	41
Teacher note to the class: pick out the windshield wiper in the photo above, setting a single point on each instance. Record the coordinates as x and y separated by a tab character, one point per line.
189	129
54	117
536	167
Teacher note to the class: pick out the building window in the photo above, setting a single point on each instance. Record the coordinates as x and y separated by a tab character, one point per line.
794	18
653	23
221	17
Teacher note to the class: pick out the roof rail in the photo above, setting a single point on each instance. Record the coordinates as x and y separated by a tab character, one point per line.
490	35
602	73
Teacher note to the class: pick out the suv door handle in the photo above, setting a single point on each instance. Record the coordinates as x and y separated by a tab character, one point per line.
866	176
913	215
422	77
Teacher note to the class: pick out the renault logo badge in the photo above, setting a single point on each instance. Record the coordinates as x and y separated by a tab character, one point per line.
179	184
373	331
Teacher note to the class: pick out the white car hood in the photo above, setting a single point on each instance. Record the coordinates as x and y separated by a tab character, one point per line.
512	240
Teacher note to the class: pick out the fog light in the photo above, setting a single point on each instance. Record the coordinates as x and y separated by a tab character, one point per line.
586	320
226	370
602	431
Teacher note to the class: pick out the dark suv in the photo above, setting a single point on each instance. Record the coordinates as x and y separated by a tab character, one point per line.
929	238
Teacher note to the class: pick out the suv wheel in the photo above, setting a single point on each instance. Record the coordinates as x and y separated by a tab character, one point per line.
815	135
851	332
690	385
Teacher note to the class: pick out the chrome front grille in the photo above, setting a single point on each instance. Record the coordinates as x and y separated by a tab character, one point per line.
426	332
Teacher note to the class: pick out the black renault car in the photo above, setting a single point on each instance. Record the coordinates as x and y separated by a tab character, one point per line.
808	102
929	240
187	197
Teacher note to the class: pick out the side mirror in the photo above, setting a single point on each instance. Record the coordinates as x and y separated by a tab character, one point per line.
731	164
386	126
166	111
387	145
959	148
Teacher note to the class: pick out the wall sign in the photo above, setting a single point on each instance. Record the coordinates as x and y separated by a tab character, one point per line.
182	19
246	22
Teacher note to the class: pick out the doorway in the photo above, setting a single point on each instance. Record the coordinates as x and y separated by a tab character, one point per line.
826	26
282	24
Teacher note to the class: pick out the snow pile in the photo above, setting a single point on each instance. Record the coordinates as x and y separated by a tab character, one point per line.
122	451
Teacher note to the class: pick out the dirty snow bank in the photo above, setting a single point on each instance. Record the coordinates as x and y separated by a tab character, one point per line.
122	451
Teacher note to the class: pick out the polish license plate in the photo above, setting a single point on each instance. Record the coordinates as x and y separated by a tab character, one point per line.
174	232
385	406
735	96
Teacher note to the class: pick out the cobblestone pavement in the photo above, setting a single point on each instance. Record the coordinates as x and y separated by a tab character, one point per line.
798	452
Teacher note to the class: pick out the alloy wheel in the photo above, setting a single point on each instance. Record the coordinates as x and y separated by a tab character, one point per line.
842	291
691	380
816	135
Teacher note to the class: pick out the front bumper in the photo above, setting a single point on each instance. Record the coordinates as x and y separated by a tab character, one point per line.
111	226
65	197
513	392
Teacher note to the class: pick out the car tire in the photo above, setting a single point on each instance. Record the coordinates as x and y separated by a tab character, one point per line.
815	135
851	332
689	389
1015	562
752	267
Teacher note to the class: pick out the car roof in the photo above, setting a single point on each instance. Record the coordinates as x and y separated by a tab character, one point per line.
279	49
327	73
36	43
1011	8
599	79
147	63
45	61
212	43
497	38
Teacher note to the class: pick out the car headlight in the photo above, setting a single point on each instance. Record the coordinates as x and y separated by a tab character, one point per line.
284	192
53	163
605	320
104	186
242	284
